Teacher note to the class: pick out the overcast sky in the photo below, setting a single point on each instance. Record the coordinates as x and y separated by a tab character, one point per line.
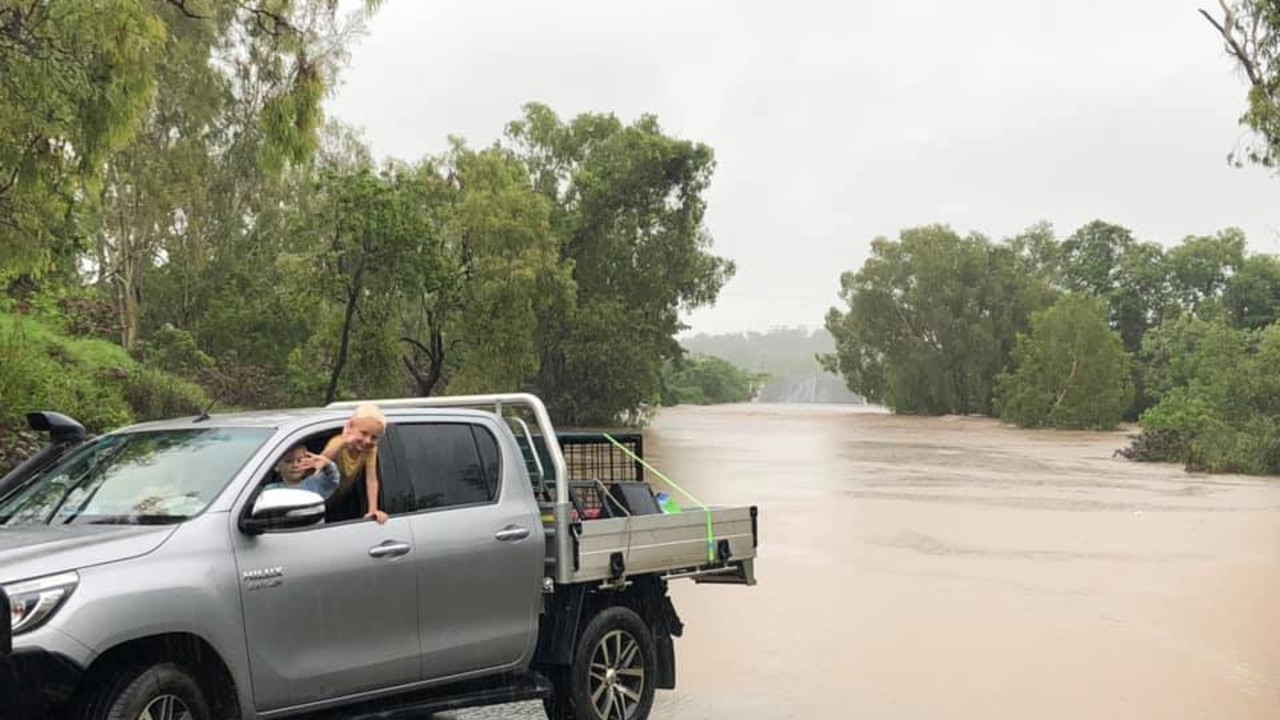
837	122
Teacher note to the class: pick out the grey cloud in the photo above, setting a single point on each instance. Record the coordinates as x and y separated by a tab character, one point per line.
836	122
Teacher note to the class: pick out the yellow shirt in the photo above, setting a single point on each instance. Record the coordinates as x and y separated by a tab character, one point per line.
350	463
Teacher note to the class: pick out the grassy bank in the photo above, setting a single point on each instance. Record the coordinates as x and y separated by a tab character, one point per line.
97	382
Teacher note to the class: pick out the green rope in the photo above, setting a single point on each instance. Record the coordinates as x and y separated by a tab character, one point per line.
711	542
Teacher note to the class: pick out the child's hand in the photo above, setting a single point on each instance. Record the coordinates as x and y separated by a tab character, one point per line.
350	435
343	439
314	462
378	515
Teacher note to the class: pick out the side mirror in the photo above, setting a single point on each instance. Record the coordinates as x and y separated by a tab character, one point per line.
281	508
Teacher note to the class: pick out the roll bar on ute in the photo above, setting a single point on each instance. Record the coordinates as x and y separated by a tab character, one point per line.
497	403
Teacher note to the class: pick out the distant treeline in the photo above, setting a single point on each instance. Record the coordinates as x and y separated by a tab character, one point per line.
1079	332
780	351
784	359
705	380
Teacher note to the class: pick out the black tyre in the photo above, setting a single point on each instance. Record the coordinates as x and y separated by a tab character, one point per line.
613	671
156	692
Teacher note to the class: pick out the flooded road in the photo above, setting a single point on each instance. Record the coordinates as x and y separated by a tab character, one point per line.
951	568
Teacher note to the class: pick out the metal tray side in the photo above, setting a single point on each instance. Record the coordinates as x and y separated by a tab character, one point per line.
661	543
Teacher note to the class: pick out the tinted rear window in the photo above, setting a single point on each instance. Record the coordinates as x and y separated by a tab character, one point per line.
448	464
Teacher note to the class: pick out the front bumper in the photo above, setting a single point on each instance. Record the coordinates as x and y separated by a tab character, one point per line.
34	681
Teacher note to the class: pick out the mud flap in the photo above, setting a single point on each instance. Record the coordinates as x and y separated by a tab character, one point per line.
665	648
558	628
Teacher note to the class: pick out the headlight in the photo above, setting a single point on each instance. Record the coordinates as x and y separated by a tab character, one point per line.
31	602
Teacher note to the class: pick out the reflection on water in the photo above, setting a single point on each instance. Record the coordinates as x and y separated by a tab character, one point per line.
951	568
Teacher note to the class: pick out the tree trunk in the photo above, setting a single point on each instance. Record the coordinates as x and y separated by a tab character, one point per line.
353	297
436	370
1062	394
130	256
129	299
132	314
435	354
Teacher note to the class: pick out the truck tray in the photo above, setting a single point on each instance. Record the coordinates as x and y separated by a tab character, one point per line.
676	544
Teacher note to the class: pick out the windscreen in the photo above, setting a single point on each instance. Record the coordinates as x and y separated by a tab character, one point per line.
153	477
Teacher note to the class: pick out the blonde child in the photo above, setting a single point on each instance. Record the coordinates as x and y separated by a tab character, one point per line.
356	453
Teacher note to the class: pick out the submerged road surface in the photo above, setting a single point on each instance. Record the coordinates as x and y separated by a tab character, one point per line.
952	568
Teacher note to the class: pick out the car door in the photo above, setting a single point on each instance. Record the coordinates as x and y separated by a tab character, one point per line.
480	545
331	609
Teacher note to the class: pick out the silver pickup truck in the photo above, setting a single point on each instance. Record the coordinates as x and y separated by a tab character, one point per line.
158	573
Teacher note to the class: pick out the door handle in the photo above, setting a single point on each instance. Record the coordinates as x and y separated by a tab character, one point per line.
389	548
511	532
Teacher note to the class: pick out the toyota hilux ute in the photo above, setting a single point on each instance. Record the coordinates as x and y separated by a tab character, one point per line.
161	571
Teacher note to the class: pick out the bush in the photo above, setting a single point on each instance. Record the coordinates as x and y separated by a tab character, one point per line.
1226	417
234	384
39	373
174	351
87	314
1157	445
1072	370
94	381
704	380
154	395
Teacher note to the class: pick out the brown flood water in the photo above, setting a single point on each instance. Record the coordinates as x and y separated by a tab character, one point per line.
952	568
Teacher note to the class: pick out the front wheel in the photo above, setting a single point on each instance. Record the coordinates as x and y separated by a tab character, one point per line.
158	692
613	671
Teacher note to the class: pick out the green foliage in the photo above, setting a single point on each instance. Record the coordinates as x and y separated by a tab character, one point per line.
174	351
505	268
167	151
1200	269
932	319
160	188
920	339
1103	260
430	275
1072	371
1252	295
1250	30
75	78
1091	257
39	369
155	395
627	213
106	103
44	334
702	380
1171	352
92	380
1226	413
926	332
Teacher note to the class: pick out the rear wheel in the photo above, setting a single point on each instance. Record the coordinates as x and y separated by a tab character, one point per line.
613	671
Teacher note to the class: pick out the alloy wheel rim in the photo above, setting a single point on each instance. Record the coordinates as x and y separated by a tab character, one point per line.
166	707
616	676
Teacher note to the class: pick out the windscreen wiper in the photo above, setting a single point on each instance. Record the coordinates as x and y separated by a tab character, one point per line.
108	455
136	520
